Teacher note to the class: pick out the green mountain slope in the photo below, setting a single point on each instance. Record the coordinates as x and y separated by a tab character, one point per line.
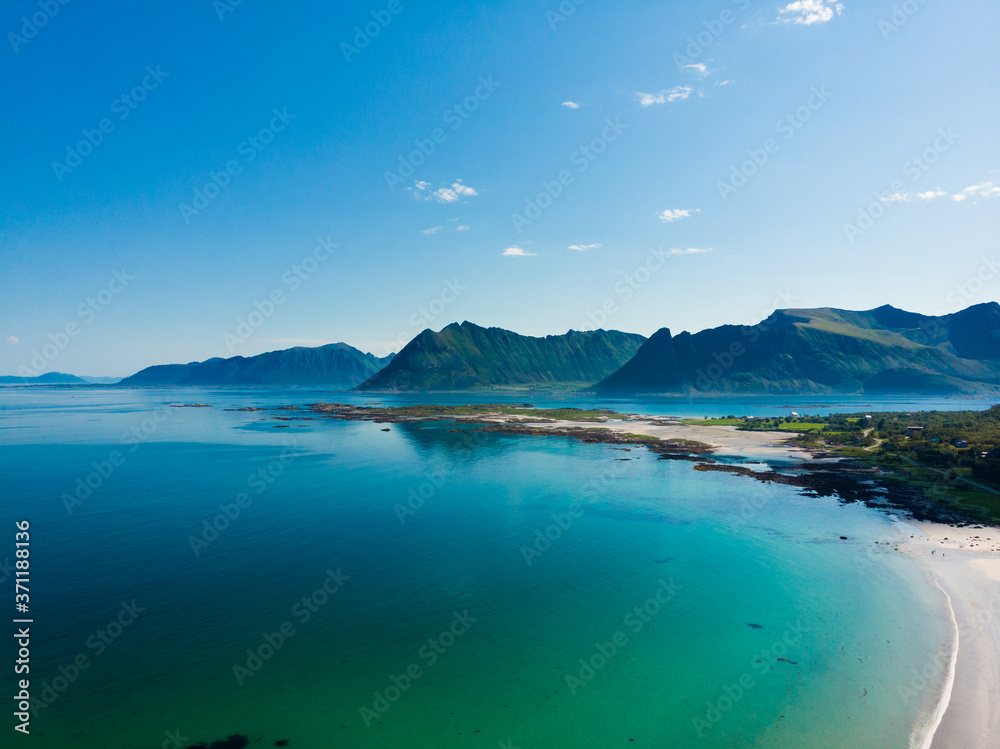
467	356
337	366
885	350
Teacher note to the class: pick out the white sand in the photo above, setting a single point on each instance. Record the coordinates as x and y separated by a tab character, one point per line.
967	569
725	440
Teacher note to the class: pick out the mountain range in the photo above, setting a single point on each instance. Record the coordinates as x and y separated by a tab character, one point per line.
880	351
466	356
336	366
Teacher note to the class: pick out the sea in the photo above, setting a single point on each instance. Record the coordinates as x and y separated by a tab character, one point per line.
204	572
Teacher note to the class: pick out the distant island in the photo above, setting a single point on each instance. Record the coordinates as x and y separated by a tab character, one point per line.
336	366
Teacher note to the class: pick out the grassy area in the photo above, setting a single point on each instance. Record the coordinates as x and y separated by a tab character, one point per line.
767	425
568	414
729	422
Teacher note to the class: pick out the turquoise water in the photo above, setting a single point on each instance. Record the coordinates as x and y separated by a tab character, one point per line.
433	629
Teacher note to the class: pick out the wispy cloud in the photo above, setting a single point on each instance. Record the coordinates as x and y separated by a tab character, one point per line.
724	83
432	230
584	247
454	193
571	104
462	228
808	12
696	67
690	251
13	339
676	214
516	251
906	197
667	95
984	190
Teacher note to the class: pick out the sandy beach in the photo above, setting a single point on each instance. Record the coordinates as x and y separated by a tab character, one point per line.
725	440
965	563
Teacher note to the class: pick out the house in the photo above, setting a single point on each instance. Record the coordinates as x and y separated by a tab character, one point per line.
961	443
915	430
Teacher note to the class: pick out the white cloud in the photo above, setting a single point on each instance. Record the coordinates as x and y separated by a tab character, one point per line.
571	104
13	339
678	93
583	247
669	216
808	12
516	251
462	228
724	83
452	194
906	197
984	190
432	230
690	251
696	67
462	189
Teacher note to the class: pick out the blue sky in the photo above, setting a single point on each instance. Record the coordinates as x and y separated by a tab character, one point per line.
709	162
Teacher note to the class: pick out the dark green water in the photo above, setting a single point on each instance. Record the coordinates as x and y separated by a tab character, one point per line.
439	590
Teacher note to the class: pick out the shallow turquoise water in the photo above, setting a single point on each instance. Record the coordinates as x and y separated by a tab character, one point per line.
687	670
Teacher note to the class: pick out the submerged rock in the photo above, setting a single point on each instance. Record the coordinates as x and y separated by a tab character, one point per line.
233	742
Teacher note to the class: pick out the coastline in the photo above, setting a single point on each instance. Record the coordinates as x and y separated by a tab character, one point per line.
965	564
962	563
726	441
